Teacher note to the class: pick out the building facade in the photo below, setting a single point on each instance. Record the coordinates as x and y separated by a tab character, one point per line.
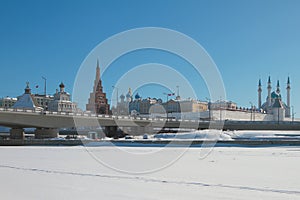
43	100
274	103
97	102
26	101
7	102
61	101
122	107
143	106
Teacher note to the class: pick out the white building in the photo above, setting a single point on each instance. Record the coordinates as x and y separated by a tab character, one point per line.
7	102
26	101
43	100
274	103
62	101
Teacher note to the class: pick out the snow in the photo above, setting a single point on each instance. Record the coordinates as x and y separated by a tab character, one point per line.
112	172
220	135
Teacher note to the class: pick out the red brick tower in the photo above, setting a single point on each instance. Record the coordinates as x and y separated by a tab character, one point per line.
98	102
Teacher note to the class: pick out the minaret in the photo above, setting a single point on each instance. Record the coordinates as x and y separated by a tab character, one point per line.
259	94
269	91
278	87
288	94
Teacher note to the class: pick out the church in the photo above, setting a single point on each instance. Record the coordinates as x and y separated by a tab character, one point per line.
274	103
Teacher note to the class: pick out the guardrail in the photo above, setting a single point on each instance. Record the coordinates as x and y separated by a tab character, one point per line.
128	117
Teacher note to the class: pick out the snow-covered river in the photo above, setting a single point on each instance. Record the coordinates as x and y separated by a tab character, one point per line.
110	172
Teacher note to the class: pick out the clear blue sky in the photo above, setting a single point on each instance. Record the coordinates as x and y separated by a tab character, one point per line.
247	39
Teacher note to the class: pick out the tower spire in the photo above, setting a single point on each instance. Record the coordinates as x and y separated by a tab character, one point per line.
259	93
269	91
98	102
27	89
278	87
288	97
98	71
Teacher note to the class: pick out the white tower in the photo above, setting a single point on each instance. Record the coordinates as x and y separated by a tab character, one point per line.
278	87
259	94
288	98
269	92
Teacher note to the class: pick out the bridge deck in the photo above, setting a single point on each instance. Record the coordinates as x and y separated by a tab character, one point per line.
17	118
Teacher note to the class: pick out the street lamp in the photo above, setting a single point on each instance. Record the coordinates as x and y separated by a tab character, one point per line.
209	106
45	85
293	114
168	94
45	91
251	110
114	87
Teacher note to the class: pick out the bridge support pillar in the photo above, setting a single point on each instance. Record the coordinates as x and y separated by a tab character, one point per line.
17	133
149	130
41	133
138	130
112	131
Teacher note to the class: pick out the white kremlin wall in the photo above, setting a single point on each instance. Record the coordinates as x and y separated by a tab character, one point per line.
219	114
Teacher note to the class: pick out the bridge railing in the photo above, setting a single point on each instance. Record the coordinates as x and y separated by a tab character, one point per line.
128	117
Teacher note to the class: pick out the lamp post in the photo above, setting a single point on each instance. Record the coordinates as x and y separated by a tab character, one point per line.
168	94
45	85
117	98
220	104
251	110
45	91
293	114
254	109
209	105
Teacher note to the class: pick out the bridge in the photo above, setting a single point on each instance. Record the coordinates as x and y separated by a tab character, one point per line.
47	123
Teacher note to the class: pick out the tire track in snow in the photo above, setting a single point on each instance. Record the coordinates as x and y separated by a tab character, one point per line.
153	180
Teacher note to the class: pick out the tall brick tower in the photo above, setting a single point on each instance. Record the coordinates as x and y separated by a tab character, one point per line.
98	102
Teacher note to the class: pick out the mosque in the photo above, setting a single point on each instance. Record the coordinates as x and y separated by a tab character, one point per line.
274	104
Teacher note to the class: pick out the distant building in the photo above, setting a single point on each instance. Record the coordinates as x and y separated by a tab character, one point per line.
122	107
142	106
61	101
274	104
98	102
174	108
26	101
224	105
186	105
43	100
7	102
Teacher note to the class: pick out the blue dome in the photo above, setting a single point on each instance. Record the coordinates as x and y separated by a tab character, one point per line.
137	96
275	95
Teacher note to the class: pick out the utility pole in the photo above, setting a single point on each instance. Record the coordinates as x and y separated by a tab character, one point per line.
251	110
167	109
117	98
45	91
293	114
220	108
209	105
45	85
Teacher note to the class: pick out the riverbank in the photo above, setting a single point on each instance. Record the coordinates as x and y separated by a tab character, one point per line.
152	143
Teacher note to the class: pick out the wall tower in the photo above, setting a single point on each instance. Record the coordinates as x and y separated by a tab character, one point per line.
98	102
